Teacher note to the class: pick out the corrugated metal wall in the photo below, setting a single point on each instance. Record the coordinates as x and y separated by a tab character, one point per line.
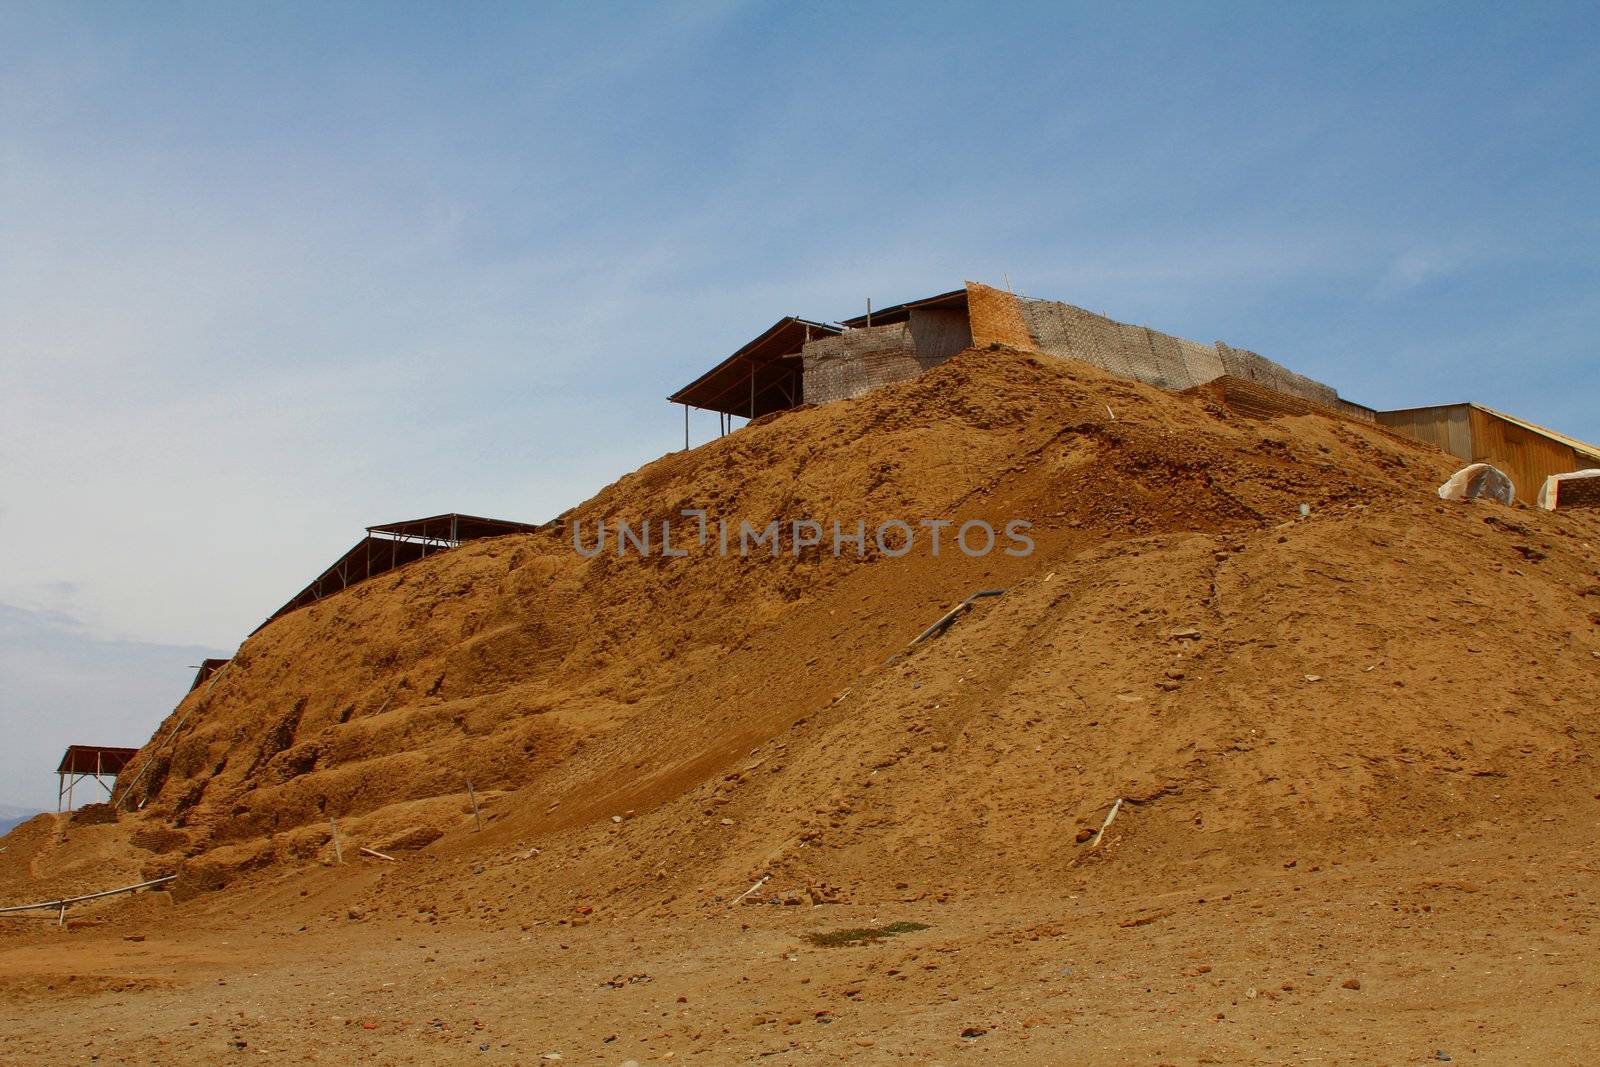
1473	435
1529	458
1446	427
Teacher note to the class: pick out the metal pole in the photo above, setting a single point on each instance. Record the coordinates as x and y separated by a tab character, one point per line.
869	311
686	427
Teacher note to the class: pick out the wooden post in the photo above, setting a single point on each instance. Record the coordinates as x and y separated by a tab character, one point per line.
338	853
476	814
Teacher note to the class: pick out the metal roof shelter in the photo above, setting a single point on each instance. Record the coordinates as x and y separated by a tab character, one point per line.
451	529
762	377
766	375
395	544
1527	452
89	761
955	300
205	670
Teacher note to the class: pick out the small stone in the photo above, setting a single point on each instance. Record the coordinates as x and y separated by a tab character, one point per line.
1083	834
972	1033
727	822
1313	677
616	818
1350	983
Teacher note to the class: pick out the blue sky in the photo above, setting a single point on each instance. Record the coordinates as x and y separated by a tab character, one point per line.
272	273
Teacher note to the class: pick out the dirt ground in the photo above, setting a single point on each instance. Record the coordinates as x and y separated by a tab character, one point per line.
1348	732
1475	944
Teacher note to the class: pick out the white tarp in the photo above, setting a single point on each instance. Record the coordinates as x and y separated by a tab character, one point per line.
1479	481
1550	491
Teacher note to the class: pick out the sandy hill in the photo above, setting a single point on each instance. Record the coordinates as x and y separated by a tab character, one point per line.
1264	689
1387	657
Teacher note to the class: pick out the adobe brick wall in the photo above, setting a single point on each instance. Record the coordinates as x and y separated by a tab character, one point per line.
996	317
849	364
1132	351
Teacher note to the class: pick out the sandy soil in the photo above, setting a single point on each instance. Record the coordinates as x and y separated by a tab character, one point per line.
1476	943
1354	749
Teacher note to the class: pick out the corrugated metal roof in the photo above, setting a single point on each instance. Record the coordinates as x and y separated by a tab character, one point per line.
1571	442
453	526
94	759
1560	438
396	544
955	298
207	668
765	360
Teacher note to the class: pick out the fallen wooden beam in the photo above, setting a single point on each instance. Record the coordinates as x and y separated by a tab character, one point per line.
944	621
949	617
64	901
